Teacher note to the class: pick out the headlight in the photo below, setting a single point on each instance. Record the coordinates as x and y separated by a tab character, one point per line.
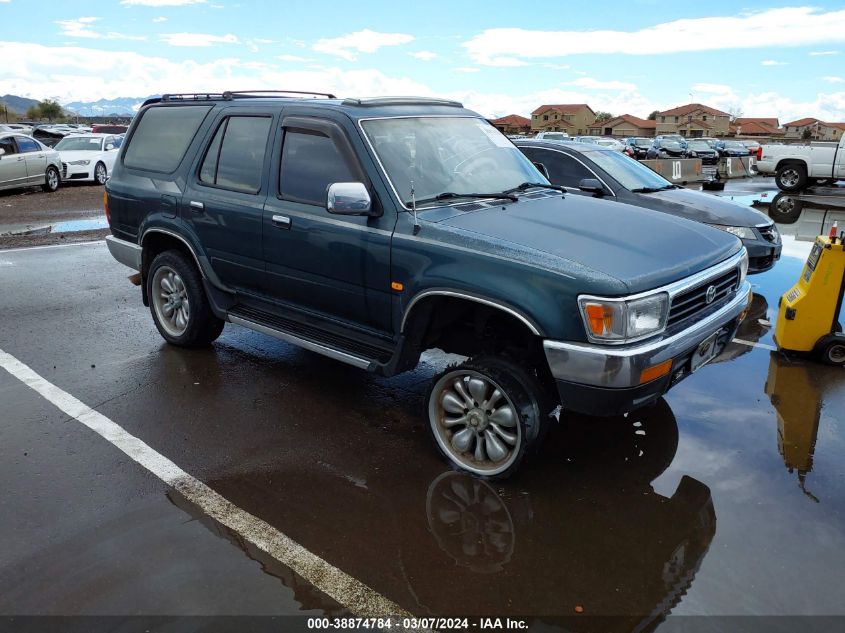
618	320
742	232
79	162
743	267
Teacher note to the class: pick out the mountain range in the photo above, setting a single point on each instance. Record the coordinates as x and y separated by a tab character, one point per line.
121	106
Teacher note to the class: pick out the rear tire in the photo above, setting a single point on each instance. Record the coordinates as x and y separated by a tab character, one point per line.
486	415
785	209
791	177
51	180
178	302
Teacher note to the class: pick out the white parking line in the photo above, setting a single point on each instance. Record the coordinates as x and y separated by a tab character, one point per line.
349	592
40	248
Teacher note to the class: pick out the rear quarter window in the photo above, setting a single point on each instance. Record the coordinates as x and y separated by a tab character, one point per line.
162	137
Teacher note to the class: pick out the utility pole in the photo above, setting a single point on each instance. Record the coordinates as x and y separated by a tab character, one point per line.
6	112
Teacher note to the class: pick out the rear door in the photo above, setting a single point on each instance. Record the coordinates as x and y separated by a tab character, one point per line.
334	265
224	198
35	158
12	164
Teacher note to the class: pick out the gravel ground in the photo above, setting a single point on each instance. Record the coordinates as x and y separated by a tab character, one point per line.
29	208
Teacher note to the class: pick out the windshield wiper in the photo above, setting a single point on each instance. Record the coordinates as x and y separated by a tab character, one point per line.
653	189
448	195
529	185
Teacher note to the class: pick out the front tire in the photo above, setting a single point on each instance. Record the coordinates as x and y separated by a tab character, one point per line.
785	209
101	174
791	177
486	415
178	302
51	180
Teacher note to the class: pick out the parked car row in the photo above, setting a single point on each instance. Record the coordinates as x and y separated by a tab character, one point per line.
26	161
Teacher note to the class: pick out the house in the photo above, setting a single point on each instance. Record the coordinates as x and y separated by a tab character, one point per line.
624	125
818	130
574	118
756	126
693	120
512	124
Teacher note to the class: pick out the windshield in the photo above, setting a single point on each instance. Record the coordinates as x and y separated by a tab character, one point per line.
555	136
79	143
734	145
630	173
642	142
699	145
447	154
670	144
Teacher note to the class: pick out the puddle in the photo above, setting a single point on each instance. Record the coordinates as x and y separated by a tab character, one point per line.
69	226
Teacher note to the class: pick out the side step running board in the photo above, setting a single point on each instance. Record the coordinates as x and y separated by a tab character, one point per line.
310	336
361	363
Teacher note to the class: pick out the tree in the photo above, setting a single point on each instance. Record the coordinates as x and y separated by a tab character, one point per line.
33	113
735	112
50	109
653	115
603	116
807	134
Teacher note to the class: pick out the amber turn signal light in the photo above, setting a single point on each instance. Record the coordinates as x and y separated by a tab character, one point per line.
397	286
600	318
655	371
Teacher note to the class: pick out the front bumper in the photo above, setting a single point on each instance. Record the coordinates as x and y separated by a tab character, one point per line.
77	172
605	380
762	254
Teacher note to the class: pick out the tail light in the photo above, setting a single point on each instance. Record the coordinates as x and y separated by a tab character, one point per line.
760	152
106	206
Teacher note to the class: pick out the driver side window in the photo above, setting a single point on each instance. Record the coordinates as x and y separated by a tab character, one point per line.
562	169
310	163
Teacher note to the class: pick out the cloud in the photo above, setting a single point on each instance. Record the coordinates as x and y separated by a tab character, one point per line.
466	69
772	62
833	80
160	19
823	53
595	84
366	41
160	3
81	27
75	73
197	39
425	56
795	26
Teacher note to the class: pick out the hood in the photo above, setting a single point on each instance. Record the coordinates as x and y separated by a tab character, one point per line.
641	248
68	156
703	207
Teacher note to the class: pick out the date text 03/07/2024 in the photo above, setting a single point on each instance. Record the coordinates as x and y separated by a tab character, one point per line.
412	623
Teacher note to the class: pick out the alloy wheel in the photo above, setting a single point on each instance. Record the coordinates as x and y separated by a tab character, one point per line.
170	300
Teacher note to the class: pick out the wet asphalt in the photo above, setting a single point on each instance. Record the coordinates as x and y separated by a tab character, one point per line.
727	498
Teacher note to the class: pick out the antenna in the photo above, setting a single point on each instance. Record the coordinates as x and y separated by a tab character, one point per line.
414	209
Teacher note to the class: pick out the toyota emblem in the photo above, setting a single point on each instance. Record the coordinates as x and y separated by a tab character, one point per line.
711	294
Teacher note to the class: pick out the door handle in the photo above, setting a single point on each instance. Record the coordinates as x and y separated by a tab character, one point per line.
197	207
282	221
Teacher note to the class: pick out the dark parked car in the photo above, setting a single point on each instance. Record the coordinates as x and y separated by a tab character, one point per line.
732	149
638	146
608	175
666	148
702	150
371	230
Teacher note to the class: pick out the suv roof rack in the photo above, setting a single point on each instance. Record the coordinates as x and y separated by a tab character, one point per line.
382	101
230	95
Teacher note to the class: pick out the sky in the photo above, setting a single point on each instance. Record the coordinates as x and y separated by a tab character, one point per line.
785	59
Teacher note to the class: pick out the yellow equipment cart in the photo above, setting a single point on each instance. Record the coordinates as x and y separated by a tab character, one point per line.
808	313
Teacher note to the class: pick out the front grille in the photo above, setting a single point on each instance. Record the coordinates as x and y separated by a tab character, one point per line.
689	303
769	233
64	170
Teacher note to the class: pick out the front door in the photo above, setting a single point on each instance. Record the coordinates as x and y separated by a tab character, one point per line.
333	265
223	202
35	158
12	164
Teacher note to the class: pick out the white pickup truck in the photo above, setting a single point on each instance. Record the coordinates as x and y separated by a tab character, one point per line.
798	166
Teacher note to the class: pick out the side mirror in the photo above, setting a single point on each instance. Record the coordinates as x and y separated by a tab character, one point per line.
542	169
109	147
591	185
349	198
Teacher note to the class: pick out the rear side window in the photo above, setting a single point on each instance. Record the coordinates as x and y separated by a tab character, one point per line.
162	137
310	163
235	158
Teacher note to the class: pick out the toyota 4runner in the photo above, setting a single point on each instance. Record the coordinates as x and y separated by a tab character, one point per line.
371	230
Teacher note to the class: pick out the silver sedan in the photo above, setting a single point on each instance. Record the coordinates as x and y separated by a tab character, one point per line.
25	162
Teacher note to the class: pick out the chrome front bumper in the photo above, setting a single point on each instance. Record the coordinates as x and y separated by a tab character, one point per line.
621	367
126	253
